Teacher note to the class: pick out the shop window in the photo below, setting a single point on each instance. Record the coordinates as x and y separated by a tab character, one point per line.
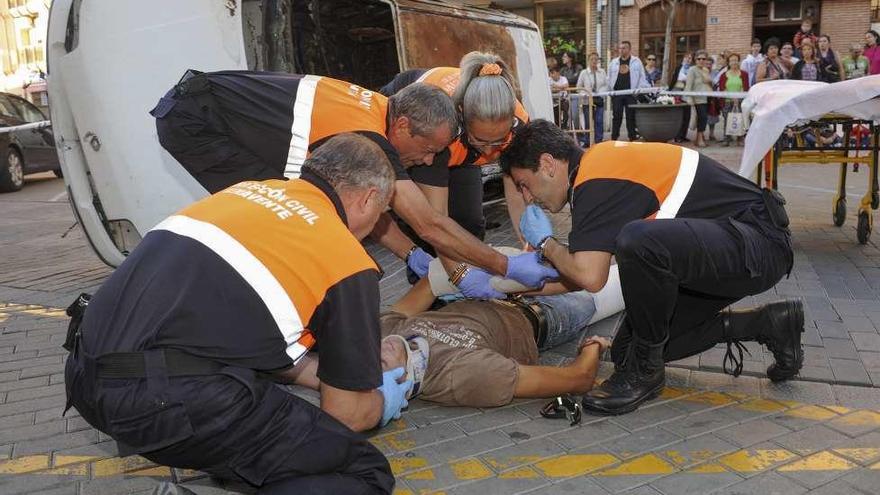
786	10
688	31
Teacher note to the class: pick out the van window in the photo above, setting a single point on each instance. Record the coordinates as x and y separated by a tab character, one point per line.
7	109
28	111
352	40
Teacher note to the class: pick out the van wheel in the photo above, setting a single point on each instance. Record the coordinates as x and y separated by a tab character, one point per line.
12	172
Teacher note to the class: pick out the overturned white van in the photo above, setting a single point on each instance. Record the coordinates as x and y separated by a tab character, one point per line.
111	60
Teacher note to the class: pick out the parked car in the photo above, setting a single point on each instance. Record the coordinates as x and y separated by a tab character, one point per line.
109	63
26	151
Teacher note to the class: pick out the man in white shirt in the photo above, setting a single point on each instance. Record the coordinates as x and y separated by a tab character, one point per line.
751	62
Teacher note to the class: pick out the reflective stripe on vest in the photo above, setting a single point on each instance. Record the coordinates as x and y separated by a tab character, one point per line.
301	126
251	269
286	241
667	170
687	170
324	107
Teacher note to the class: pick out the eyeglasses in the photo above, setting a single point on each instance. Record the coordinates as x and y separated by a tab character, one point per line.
651	59
502	142
486	144
701	58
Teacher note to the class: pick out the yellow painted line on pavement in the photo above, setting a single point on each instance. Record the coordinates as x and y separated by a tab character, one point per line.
564	466
470	469
815	413
859	418
575	464
26	464
861	455
520	473
838	409
708	468
32	309
754	461
646	465
66	460
762	406
820	461
400	465
710	398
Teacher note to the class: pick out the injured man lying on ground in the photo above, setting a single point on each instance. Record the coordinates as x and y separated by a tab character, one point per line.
485	353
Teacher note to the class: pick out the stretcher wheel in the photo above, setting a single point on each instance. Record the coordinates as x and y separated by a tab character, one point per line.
875	201
863	230
840	212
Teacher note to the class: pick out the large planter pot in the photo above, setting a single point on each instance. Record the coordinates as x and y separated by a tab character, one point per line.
658	123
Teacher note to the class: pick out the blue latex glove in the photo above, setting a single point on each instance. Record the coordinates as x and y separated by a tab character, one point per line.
394	394
527	269
418	262
535	225
475	285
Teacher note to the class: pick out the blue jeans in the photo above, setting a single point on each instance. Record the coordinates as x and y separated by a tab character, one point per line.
598	121
567	315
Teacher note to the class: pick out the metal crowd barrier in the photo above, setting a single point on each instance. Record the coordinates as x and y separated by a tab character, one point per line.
583	99
25	127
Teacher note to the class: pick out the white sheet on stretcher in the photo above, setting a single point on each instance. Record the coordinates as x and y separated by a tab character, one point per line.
777	104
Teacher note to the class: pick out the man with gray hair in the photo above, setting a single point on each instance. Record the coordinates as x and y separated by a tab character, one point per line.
175	355
229	126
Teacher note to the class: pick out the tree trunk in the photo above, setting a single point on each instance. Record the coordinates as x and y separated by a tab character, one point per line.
669	7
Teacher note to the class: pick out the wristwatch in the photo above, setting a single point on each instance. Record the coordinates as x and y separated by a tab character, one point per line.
540	247
409	253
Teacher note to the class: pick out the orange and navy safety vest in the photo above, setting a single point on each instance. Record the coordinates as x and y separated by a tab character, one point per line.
620	182
286	240
666	170
324	107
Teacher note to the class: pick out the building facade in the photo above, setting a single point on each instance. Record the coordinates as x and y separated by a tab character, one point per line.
714	25
23	28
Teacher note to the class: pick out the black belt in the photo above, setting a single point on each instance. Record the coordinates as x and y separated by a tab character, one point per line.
534	313
133	365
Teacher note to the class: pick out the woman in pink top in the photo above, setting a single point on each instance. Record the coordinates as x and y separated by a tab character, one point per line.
872	51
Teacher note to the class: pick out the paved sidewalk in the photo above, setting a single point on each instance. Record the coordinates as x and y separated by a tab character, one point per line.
708	432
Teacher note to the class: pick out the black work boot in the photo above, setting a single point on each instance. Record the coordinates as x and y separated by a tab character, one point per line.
778	326
638	377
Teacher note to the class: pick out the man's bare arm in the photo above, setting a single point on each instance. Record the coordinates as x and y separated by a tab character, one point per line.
587	269
447	237
388	234
305	373
358	410
548	381
419	298
516	205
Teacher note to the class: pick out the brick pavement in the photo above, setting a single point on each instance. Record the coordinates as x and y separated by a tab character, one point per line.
709	430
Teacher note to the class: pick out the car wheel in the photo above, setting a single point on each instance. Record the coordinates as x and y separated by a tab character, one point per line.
12	172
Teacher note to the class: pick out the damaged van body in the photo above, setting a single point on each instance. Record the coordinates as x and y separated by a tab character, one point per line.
110	61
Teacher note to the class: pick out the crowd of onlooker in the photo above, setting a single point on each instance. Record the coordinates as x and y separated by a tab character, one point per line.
808	56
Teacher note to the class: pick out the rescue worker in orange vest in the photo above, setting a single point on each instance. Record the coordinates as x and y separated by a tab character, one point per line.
177	353
690	238
483	90
228	126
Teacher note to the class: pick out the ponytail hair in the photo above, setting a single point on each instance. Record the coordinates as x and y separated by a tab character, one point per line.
486	90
